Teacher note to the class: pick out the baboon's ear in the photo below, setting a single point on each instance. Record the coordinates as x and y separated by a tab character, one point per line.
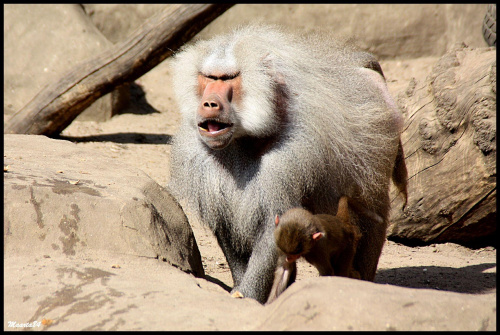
276	220
270	63
317	236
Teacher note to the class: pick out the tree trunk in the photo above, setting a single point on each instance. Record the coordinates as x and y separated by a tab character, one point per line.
449	142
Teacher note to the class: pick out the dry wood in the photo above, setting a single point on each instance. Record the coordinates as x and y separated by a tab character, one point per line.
59	103
450	145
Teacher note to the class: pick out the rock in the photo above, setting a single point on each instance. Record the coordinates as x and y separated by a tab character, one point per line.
338	303
449	141
60	199
118	21
42	41
116	292
387	30
95	293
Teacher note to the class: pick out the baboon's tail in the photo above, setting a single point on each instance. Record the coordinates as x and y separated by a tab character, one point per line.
400	174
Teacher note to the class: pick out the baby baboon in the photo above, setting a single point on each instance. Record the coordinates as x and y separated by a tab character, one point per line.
328	242
273	121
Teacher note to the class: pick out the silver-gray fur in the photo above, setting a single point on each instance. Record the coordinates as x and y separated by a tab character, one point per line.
314	123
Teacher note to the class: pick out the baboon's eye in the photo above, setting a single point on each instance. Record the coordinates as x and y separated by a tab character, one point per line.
298	249
229	76
222	77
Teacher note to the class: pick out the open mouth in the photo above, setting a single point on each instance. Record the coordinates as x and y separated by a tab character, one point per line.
213	128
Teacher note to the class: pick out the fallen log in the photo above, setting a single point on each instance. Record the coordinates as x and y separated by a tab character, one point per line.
60	102
449	141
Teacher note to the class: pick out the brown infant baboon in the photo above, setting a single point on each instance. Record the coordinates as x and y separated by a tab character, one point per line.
271	121
328	242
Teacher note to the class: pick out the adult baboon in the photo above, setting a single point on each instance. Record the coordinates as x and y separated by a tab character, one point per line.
273	121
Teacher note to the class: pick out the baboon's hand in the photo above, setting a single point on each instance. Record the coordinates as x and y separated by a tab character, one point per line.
237	295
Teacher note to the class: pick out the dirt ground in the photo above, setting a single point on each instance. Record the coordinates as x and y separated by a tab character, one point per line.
142	138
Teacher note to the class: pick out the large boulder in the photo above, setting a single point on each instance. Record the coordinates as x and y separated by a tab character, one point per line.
387	30
61	199
449	141
338	303
43	41
124	293
118	20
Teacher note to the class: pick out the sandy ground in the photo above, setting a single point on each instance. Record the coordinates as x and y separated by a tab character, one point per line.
142	140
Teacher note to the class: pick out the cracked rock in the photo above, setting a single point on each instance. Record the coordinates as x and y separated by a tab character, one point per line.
61	199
